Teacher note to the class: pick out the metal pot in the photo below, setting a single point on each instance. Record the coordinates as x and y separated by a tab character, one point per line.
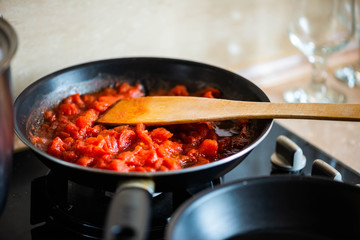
8	46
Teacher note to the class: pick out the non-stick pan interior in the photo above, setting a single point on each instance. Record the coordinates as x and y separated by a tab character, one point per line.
271	208
153	73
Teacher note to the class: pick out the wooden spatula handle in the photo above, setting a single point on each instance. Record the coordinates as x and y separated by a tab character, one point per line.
176	110
324	111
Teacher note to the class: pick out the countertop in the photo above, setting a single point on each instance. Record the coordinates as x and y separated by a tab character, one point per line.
339	139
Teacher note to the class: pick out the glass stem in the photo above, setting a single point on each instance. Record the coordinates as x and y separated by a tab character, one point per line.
319	71
358	40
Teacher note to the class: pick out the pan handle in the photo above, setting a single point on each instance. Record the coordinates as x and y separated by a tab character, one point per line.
130	211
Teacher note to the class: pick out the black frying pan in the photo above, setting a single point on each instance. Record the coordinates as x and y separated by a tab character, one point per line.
282	207
153	74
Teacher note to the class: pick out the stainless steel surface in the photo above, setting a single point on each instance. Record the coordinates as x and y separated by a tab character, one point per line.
8	45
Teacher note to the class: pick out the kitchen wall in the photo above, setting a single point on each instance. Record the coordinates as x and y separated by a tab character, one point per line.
228	33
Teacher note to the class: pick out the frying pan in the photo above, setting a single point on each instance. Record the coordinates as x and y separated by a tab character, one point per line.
281	207
154	74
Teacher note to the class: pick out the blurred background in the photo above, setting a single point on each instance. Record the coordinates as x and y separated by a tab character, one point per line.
229	33
248	37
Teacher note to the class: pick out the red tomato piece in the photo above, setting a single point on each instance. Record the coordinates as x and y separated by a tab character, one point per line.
56	147
49	115
179	90
209	148
126	139
209	92
68	109
160	135
143	134
85	161
118	165
87	119
70	133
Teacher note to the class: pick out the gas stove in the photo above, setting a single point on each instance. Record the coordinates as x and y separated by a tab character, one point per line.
43	205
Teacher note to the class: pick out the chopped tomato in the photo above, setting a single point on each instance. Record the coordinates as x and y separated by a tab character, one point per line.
126	138
160	135
87	118
209	148
68	109
118	165
56	147
70	132
179	90
210	93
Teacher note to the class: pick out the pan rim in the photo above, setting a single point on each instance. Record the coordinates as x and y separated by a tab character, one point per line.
74	166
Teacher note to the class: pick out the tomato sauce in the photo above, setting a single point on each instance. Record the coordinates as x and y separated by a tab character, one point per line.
70	133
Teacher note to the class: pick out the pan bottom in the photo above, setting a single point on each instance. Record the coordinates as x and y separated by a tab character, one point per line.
283	234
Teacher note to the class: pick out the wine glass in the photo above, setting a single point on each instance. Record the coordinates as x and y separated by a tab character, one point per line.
319	28
351	74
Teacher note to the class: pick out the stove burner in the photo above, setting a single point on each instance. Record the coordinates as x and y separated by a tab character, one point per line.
56	213
69	209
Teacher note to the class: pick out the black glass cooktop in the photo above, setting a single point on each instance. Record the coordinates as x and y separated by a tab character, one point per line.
29	214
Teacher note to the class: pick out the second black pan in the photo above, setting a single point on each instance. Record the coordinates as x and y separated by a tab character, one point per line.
272	207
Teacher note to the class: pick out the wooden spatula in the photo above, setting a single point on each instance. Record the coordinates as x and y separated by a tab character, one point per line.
165	110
